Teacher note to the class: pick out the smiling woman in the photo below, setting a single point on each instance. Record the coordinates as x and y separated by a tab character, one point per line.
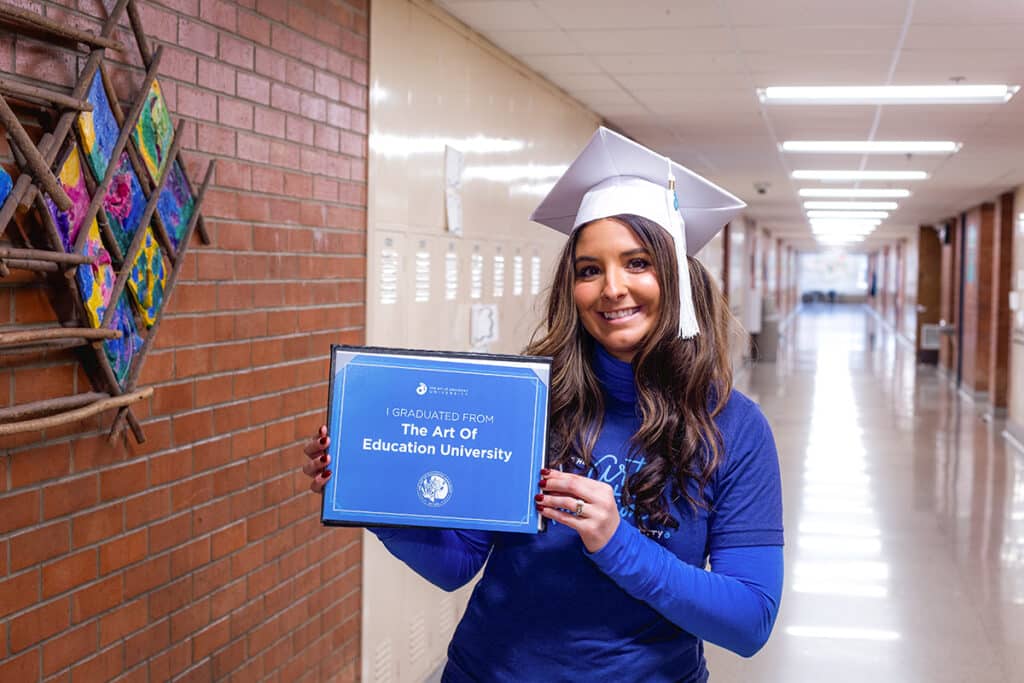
656	467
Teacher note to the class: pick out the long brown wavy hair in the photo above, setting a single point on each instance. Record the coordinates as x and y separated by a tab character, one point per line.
681	384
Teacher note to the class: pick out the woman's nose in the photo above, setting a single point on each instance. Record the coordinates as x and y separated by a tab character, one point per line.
614	284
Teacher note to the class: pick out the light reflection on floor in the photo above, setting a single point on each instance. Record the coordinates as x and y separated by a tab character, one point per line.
904	517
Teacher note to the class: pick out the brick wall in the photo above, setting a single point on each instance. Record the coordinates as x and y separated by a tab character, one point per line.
198	555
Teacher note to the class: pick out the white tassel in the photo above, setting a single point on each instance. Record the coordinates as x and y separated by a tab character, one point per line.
688	327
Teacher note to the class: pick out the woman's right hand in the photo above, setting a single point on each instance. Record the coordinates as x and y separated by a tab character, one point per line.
316	467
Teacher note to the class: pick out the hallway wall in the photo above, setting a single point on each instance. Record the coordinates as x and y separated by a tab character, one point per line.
199	554
1016	387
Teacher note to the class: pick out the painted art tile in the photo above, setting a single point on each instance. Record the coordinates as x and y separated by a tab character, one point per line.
95	280
154	132
148	279
120	352
72	180
124	203
5	184
176	204
98	129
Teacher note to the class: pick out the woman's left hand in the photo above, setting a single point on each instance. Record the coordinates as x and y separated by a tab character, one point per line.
599	510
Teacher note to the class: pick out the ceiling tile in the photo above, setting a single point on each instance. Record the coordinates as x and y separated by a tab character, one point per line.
614	14
820	39
525	43
969	12
562	64
499	15
669	42
695	62
803	13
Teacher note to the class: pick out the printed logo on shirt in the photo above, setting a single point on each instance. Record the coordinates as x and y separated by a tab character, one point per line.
609	469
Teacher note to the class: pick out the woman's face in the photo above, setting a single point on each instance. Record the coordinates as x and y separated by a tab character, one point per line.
616	288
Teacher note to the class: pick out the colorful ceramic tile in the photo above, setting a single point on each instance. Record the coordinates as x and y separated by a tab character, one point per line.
98	129
5	184
176	204
148	278
72	180
124	203
95	280
154	131
121	352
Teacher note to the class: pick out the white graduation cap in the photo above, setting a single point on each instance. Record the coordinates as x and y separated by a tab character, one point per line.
614	175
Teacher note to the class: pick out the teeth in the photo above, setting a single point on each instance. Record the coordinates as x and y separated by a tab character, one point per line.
615	315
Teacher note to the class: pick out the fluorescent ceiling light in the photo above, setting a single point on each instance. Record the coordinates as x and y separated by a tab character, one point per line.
854	193
852	206
839	239
847	214
842	633
844	224
872	146
888	94
810	174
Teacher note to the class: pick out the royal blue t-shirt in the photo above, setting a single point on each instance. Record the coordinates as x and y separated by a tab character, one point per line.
639	608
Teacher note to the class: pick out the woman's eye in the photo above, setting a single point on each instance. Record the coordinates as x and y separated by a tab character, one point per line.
639	264
586	271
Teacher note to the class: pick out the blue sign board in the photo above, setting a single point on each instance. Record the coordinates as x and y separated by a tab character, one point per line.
435	439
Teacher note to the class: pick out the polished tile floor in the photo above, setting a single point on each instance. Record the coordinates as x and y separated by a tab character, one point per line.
904	517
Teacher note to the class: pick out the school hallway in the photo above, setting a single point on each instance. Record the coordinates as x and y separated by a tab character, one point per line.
904	508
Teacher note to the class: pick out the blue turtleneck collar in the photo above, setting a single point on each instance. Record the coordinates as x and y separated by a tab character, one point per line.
617	379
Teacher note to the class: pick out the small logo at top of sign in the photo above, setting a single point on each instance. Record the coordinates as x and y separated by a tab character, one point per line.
421	389
434	489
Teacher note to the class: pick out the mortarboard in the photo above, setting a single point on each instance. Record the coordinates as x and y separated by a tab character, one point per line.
614	175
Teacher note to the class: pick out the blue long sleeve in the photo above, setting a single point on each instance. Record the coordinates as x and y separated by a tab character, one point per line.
733	606
447	558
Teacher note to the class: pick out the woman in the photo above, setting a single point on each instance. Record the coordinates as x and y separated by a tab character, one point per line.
656	468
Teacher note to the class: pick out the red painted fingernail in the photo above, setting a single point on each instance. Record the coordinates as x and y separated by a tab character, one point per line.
323	440
539	508
539	497
323	458
326	474
545	472
543	483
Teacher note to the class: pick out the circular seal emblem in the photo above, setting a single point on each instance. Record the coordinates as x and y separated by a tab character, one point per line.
434	489
421	389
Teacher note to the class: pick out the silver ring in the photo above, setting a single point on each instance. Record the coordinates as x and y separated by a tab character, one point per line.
579	508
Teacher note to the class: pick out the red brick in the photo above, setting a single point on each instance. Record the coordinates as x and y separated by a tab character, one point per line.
210	517
200	104
253	88
147	643
99	597
219	13
228	659
190	556
170	597
18	511
168	533
236	51
39	624
69	647
147	575
197	36
211	577
39	464
22	668
38	545
169	664
95	526
18	592
69	572
102	667
121	552
193	426
236	114
189	620
126	619
70	496
254	27
146	508
121	482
